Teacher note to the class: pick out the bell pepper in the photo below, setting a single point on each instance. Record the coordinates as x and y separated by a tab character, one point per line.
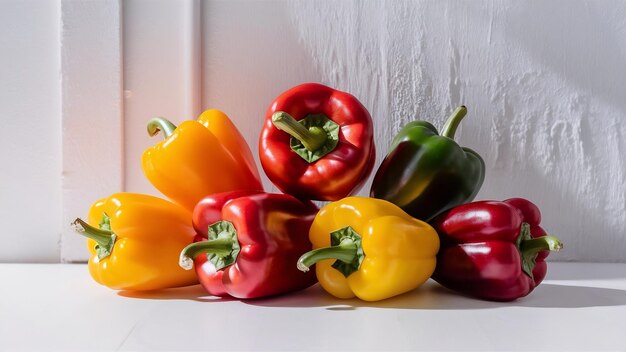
328	153
199	158
426	173
134	240
493	250
248	244
369	248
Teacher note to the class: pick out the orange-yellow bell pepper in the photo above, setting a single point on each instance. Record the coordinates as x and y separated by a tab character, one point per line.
199	158
370	248
135	241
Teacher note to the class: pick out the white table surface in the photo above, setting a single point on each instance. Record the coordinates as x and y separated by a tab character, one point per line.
57	306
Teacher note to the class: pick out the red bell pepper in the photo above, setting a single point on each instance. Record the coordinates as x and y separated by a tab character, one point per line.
248	244
493	250
328	153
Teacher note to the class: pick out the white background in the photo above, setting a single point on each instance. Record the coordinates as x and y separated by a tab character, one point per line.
545	84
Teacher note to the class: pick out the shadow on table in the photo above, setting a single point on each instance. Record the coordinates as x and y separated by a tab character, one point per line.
431	296
568	296
193	293
434	296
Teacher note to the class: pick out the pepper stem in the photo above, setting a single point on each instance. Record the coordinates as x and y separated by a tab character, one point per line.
157	124
449	129
346	252
220	247
312	138
529	247
105	239
538	244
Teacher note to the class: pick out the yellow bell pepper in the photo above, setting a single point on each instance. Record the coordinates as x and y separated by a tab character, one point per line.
370	248
135	241
199	158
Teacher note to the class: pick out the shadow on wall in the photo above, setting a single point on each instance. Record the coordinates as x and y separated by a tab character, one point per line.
580	177
565	213
586	271
252	55
591	59
390	56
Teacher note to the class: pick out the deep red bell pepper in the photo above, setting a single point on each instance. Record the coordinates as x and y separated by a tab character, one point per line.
493	250
248	244
328	153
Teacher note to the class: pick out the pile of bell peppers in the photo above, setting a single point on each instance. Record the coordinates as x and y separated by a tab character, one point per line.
316	144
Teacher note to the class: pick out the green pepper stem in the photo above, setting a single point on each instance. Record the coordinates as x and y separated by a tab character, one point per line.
105	239
221	247
312	138
346	252
157	124
538	244
449	129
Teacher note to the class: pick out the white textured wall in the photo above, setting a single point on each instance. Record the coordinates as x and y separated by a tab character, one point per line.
91	108
30	146
154	77
545	84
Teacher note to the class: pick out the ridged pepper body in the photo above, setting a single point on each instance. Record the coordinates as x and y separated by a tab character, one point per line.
425	173
269	232
340	156
149	234
396	253
493	250
199	158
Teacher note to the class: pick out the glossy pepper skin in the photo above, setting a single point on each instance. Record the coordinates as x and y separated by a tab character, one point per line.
493	250
199	158
328	153
426	173
370	248
254	242
135	240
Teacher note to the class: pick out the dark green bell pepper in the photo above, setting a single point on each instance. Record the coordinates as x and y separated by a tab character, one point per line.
425	173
